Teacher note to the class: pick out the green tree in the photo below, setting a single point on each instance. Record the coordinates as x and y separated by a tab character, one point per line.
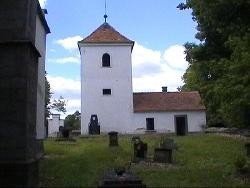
48	95
219	65
73	121
59	105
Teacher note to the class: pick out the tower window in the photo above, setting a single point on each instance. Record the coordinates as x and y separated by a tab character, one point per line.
106	60
106	91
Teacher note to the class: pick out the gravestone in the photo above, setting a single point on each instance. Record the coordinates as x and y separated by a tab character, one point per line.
94	127
127	179
20	151
164	154
140	149
60	133
113	138
64	132
247	146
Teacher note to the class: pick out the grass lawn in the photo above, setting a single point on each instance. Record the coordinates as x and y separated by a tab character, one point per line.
201	160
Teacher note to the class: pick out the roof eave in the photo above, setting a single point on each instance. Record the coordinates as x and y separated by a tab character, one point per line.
84	43
174	110
43	19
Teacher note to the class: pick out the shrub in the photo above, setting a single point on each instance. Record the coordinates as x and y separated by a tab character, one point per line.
242	165
240	162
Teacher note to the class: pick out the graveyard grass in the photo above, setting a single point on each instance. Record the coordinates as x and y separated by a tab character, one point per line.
201	160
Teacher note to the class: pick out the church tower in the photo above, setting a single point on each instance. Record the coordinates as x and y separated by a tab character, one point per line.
106	80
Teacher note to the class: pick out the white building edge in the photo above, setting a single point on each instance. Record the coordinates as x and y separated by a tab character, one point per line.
42	29
54	123
106	87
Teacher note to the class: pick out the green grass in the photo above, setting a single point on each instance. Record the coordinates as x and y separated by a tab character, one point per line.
201	160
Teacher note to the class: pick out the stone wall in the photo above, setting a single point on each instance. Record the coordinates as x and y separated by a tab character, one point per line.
20	151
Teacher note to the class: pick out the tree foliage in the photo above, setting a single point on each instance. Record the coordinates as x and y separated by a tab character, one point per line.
48	95
219	66
59	105
73	121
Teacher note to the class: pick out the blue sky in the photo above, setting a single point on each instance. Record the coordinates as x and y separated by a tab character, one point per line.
158	28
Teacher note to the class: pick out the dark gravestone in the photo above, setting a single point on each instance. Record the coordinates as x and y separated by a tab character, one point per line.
20	151
113	138
164	154
140	149
60	132
64	132
247	146
127	179
94	127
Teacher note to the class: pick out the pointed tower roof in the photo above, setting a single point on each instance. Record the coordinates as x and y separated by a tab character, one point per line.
106	34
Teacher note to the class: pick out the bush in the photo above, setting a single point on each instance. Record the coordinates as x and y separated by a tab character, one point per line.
240	162
242	165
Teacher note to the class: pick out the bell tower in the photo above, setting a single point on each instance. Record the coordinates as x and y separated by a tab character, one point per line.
106	80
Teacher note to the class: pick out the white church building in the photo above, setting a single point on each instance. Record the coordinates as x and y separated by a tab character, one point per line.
106	87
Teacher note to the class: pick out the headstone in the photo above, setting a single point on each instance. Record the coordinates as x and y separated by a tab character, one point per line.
247	146
113	138
64	132
164	154
140	149
94	127
60	133
20	150
127	179
168	143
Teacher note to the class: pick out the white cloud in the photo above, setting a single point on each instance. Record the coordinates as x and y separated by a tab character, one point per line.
69	43
73	105
42	3
65	60
175	57
154	69
142	55
63	85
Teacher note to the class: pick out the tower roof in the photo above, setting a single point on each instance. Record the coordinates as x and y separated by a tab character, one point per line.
106	34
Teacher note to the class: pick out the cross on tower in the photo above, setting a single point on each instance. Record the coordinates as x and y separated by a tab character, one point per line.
105	15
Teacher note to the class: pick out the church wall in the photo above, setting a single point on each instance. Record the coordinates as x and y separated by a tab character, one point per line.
114	111
165	121
40	43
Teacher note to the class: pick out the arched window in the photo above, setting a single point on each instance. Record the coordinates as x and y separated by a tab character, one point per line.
106	60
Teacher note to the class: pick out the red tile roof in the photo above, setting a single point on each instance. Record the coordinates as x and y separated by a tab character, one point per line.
167	101
106	34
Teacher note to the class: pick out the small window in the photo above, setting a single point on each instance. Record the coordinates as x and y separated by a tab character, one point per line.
106	91
106	60
150	124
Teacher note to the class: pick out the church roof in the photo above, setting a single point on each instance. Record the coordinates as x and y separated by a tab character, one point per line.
106	34
167	101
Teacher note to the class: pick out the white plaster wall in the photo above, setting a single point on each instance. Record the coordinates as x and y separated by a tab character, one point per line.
114	111
54	124
40	44
165	121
